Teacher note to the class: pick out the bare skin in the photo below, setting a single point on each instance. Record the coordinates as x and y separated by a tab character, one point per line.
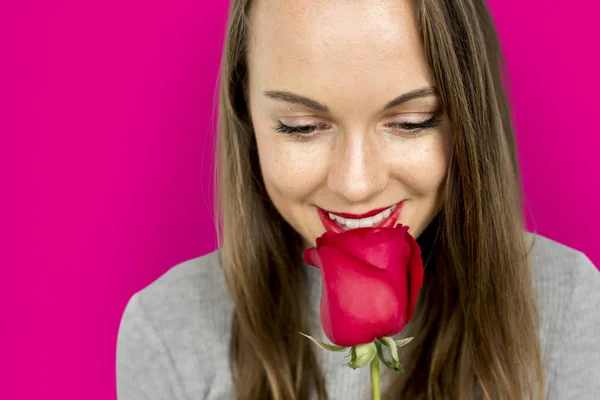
352	58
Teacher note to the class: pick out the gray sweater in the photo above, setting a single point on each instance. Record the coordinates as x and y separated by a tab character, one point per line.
174	334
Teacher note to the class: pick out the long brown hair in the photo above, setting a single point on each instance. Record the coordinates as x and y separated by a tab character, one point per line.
476	324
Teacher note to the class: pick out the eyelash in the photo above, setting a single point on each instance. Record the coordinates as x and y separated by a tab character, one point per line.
303	132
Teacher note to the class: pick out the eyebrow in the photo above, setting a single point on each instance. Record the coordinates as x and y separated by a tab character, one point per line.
293	98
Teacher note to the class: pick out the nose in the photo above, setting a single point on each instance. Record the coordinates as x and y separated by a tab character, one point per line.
358	171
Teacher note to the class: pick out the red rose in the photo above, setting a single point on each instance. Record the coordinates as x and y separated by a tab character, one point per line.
371	280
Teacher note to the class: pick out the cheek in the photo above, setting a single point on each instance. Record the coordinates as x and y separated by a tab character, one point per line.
422	166
290	170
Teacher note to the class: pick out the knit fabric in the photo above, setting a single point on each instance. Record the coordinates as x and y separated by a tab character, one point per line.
173	341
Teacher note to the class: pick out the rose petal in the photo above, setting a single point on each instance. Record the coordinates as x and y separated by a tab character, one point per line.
359	303
416	273
311	257
375	246
371	281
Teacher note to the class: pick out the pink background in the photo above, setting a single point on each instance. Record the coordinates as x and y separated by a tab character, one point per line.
107	130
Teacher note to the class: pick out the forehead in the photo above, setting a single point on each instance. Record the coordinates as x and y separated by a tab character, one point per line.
363	48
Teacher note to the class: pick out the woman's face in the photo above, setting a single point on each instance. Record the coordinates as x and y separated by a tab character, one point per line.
352	79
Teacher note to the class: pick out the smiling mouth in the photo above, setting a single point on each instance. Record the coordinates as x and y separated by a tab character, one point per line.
382	219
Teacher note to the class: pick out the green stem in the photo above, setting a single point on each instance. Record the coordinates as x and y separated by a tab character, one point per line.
375	379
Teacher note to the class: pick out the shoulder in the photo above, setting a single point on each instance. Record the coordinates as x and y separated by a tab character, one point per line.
544	249
193	287
568	287
174	333
560	268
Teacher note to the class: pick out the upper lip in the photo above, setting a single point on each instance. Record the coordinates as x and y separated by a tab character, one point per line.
357	216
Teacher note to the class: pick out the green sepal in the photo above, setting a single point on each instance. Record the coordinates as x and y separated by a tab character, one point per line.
362	355
393	365
389	342
403	342
325	346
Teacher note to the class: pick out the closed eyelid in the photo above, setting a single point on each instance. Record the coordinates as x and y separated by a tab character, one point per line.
413	118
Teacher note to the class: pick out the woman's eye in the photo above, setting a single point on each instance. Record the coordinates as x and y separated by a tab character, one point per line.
413	129
302	132
304	129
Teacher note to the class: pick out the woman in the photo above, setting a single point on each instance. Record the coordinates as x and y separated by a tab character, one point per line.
331	107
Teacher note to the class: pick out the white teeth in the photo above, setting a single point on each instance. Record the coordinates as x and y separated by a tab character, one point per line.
366	222
350	223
